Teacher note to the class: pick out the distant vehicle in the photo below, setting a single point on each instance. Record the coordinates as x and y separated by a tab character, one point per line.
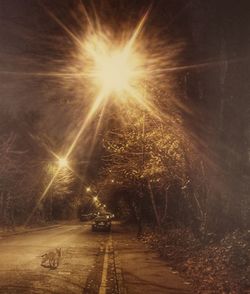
86	217
101	223
108	215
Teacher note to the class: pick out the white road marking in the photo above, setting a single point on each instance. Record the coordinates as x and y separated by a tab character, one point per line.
103	286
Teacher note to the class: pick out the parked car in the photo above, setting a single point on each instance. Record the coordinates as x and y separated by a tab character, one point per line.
101	223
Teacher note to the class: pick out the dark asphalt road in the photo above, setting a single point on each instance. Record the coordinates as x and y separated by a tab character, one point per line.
20	269
91	263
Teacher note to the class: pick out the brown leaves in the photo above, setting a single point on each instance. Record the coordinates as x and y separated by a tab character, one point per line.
222	267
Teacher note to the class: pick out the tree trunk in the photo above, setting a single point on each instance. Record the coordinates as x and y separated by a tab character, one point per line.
154	205
165	206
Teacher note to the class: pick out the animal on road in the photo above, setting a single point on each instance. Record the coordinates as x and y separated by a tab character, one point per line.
51	259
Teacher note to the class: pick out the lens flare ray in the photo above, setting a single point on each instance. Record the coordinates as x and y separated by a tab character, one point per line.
42	196
61	24
86	122
44	74
137	31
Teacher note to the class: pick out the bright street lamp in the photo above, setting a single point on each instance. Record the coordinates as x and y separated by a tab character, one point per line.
115	71
116	66
63	162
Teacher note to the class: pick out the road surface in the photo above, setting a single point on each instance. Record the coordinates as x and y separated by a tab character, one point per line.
91	262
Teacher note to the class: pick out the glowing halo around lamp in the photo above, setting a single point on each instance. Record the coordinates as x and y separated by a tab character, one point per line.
112	65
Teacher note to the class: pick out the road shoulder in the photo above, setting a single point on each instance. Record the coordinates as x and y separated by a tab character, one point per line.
141	270
23	230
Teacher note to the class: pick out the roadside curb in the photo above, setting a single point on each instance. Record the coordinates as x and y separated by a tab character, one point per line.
119	274
5	235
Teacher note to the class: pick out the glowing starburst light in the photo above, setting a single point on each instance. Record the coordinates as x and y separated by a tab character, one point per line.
116	71
62	162
115	67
